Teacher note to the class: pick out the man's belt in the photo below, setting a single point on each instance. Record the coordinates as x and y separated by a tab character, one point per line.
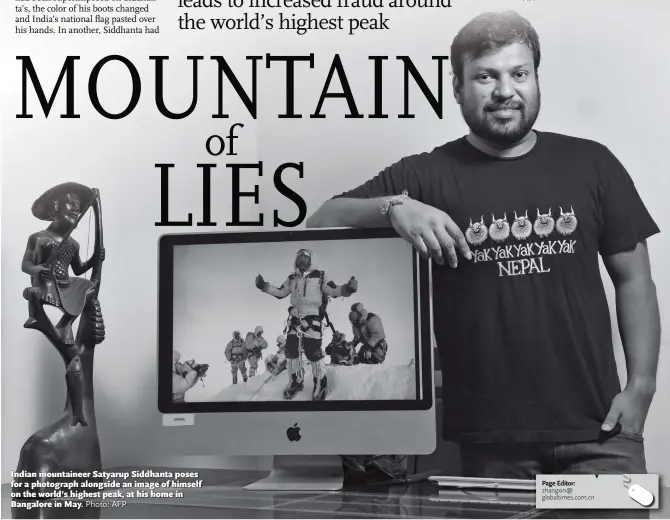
313	322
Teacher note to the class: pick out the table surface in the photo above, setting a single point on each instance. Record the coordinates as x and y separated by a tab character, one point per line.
222	496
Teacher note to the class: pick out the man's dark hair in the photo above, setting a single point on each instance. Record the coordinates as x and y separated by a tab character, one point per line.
489	32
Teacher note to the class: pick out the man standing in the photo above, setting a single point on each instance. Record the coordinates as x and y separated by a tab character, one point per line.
368	330
254	344
236	355
522	321
309	289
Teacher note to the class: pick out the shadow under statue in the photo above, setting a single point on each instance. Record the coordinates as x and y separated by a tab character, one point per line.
69	447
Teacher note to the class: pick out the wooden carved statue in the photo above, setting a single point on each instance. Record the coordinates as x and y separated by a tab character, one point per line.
70	444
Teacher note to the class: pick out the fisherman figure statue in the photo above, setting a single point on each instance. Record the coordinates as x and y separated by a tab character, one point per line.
57	454
50	254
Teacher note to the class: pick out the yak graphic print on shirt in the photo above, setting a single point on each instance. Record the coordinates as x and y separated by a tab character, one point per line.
522	257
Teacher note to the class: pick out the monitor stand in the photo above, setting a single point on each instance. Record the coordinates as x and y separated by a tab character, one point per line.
302	473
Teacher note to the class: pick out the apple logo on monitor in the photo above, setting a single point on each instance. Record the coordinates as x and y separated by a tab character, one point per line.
293	433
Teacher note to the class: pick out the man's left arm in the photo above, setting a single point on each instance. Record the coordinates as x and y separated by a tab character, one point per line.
335	291
639	322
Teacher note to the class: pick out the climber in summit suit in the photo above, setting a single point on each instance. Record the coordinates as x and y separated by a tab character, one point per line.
369	331
236	355
276	363
309	289
341	352
184	376
254	344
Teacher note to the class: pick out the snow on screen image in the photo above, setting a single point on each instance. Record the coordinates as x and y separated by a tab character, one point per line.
309	320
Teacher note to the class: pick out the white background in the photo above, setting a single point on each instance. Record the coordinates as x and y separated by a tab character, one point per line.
603	76
215	294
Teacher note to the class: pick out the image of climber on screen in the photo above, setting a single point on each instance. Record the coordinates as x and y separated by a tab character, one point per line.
236	355
254	344
341	352
306	324
275	363
369	331
309	289
185	375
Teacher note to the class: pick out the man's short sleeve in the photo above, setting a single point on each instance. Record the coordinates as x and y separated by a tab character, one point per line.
626	221
393	180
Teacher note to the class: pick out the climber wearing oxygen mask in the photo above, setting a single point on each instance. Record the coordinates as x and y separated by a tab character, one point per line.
309	289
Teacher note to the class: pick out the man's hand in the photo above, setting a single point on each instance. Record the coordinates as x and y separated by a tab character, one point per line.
629	409
430	230
42	273
260	282
352	285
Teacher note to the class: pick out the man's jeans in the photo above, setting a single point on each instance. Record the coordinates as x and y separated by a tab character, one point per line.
617	454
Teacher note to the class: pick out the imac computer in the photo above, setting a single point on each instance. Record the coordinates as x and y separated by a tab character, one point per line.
305	345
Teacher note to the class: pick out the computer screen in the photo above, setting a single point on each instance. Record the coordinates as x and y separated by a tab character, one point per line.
308	320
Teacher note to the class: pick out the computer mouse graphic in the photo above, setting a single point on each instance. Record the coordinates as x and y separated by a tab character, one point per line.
640	495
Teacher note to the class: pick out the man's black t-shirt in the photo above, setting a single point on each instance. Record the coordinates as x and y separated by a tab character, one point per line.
524	328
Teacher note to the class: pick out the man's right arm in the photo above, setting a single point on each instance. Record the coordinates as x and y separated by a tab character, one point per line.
28	266
430	230
350	212
278	292
361	206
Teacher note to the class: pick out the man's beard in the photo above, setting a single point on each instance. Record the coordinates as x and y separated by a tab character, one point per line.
503	131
